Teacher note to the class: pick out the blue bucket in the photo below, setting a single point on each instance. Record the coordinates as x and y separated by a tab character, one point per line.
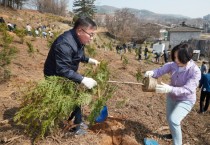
103	115
148	141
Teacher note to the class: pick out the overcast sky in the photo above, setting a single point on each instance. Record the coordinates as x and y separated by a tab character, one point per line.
190	8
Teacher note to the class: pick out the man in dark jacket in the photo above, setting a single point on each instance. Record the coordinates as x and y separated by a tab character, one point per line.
63	59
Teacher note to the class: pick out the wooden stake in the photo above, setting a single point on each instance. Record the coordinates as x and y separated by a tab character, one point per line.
134	83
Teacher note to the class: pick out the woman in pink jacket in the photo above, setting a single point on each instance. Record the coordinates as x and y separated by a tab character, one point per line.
181	92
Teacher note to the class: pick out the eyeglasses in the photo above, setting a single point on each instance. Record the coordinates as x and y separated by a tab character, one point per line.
90	34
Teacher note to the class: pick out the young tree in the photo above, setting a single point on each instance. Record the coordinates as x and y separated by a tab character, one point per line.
84	8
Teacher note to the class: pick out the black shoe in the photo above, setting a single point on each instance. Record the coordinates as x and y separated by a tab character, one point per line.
167	136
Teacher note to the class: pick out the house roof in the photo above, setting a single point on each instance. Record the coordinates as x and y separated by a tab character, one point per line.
184	29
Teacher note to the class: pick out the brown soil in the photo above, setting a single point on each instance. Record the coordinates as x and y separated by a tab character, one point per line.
133	114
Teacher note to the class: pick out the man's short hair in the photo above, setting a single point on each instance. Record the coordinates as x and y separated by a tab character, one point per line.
84	22
185	53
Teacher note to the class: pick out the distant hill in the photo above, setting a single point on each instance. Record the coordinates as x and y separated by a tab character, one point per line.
106	9
144	14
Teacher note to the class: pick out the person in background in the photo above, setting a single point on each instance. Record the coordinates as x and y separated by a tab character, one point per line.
10	26
134	45
28	29
2	20
203	68
157	57
124	47
165	55
145	52
37	32
205	92
64	57
181	92
139	53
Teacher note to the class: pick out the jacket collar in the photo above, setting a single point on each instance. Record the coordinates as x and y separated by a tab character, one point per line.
189	65
76	38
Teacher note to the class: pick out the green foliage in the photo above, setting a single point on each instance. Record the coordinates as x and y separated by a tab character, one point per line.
139	75
104	90
136	51
5	74
3	27
102	46
7	52
75	18
124	61
30	47
51	40
6	39
50	101
122	103
110	46
91	50
21	33
84	8
149	56
45	104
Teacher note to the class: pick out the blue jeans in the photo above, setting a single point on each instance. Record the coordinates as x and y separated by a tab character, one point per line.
176	111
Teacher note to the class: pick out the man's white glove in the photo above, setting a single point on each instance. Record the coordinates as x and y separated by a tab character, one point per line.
148	74
163	88
89	82
93	61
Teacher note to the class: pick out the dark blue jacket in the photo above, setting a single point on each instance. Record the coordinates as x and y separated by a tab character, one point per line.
64	57
205	82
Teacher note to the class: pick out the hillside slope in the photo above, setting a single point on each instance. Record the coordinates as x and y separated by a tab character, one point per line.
133	114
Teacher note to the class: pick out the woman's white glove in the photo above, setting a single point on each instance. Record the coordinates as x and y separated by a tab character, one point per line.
89	82
93	61
163	88
148	74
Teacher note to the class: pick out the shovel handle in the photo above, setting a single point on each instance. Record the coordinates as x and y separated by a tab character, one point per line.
134	83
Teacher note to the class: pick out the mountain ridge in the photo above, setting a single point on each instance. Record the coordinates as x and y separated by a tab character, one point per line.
106	9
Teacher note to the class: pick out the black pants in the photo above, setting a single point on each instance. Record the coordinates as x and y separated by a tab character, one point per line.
204	95
77	113
139	57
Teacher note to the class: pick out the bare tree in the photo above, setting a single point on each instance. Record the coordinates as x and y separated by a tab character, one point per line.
58	7
121	24
125	26
17	4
